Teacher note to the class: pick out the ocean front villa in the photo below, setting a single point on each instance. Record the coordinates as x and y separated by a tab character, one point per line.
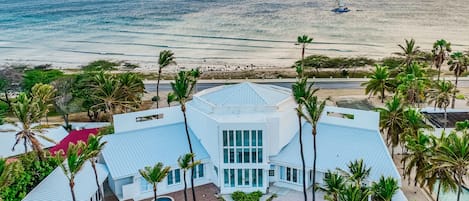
246	136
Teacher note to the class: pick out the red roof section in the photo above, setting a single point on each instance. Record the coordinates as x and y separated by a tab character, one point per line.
73	137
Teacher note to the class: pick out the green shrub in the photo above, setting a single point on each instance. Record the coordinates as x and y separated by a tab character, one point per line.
321	61
100	65
242	196
32	77
392	62
460	96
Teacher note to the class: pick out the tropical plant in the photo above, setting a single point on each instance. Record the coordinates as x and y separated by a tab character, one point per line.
384	189
64	101
453	153
441	96
354	193
185	164
9	171
155	175
334	184
28	112
458	64
93	148
43	94
165	58
392	121
410	51
33	77
441	49
183	87
301	93
414	120
462	125
379	82
412	83
132	89
358	172
303	40
312	113
171	98
74	162
419	148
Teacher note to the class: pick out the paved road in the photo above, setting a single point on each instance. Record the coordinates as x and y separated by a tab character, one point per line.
150	87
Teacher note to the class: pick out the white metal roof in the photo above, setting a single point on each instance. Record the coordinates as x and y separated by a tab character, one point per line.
55	187
245	94
337	146
7	139
126	153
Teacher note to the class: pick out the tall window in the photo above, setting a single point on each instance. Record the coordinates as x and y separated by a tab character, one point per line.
199	171
243	177
292	175
242	146
174	177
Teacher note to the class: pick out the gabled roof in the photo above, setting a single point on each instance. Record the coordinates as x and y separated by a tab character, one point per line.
55	187
7	139
73	137
125	153
245	94
337	146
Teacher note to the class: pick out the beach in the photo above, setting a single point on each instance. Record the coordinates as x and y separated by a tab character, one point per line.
219	33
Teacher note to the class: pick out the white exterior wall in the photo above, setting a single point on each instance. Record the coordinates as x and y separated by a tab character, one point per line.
206	130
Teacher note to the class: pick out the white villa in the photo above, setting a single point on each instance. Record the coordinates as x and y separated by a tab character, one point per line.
246	136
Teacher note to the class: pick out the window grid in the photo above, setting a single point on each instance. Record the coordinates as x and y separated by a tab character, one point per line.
243	177
242	146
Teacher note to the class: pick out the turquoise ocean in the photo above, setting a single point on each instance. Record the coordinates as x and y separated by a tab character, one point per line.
260	32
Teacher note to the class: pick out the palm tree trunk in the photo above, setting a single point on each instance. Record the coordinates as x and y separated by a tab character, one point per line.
314	163
72	184
446	120
439	72
454	91
158	88
183	109
154	191
185	186
438	191
382	95
93	164
459	186
302	157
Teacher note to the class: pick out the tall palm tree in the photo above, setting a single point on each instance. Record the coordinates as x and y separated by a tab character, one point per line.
458	64
384	189
28	112
166	58
441	49
392	121
419	156
185	164
334	184
74	161
303	40
441	96
414	120
301	92
43	94
354	193
155	175
379	82
410	51
358	172
312	113
132	88
94	146
453	154
183	87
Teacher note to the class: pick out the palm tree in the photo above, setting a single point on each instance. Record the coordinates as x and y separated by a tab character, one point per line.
392	121
379	82
75	159
419	156
155	175
314	109
166	58
441	96
185	164
28	112
302	92
358	172
414	120
453	153
441	49
183	86
458	64
354	193
43	94
385	189
94	146
334	184
132	89
171	98
410	51
462	125
303	40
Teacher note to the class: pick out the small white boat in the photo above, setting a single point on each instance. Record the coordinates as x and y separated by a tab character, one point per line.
341	8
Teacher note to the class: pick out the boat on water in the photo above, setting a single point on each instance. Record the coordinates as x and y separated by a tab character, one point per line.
341	8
